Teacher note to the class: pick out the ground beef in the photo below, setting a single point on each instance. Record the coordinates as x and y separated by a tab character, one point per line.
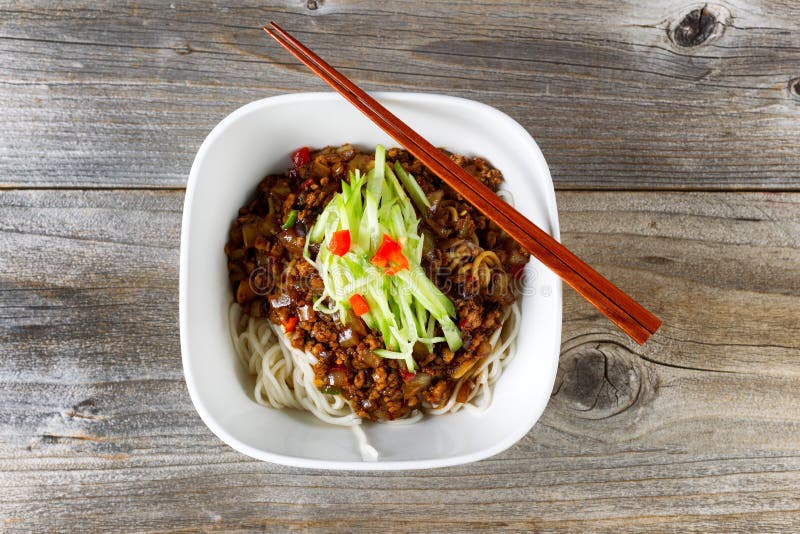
472	260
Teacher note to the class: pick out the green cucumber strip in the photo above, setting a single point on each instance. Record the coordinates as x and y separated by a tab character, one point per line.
421	318
413	188
451	333
369	229
431	340
408	209
394	355
426	292
375	177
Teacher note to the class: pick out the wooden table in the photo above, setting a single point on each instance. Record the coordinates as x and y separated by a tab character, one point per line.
672	137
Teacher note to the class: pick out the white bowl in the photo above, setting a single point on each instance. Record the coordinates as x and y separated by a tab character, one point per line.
256	140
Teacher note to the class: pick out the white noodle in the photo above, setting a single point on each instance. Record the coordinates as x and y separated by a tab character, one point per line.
285	375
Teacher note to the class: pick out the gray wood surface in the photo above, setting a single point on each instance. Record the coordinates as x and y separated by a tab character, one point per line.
697	429
103	106
122	94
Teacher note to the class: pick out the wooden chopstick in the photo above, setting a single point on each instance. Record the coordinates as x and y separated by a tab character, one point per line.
629	315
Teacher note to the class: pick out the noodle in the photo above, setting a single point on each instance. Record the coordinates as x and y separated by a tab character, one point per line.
285	375
270	246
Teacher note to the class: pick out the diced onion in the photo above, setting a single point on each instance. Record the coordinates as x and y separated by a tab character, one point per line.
336	378
280	301
305	312
434	198
348	338
417	384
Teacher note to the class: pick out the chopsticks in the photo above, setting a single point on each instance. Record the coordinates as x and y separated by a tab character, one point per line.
625	312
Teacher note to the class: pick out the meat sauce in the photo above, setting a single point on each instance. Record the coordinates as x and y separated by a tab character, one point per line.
468	257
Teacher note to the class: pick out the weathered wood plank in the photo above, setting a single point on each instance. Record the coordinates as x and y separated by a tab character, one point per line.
129	90
696	431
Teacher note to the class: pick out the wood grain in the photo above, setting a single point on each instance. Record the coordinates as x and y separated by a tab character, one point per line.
696	431
122	94
104	106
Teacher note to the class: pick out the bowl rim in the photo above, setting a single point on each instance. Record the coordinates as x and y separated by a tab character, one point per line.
315	463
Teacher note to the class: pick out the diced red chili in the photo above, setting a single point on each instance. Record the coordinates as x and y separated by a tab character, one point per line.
289	324
390	256
340	242
360	306
306	184
301	157
406	375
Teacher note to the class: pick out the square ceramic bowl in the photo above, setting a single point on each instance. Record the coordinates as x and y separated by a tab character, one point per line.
256	140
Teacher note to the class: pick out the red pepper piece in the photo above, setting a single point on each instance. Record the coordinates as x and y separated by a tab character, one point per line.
289	324
301	157
406	375
340	242
360	306
390	256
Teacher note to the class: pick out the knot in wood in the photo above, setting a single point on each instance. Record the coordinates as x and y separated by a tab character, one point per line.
313	4
698	26
794	87
597	380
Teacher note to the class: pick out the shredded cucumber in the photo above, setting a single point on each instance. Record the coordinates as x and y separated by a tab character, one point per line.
404	307
414	190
